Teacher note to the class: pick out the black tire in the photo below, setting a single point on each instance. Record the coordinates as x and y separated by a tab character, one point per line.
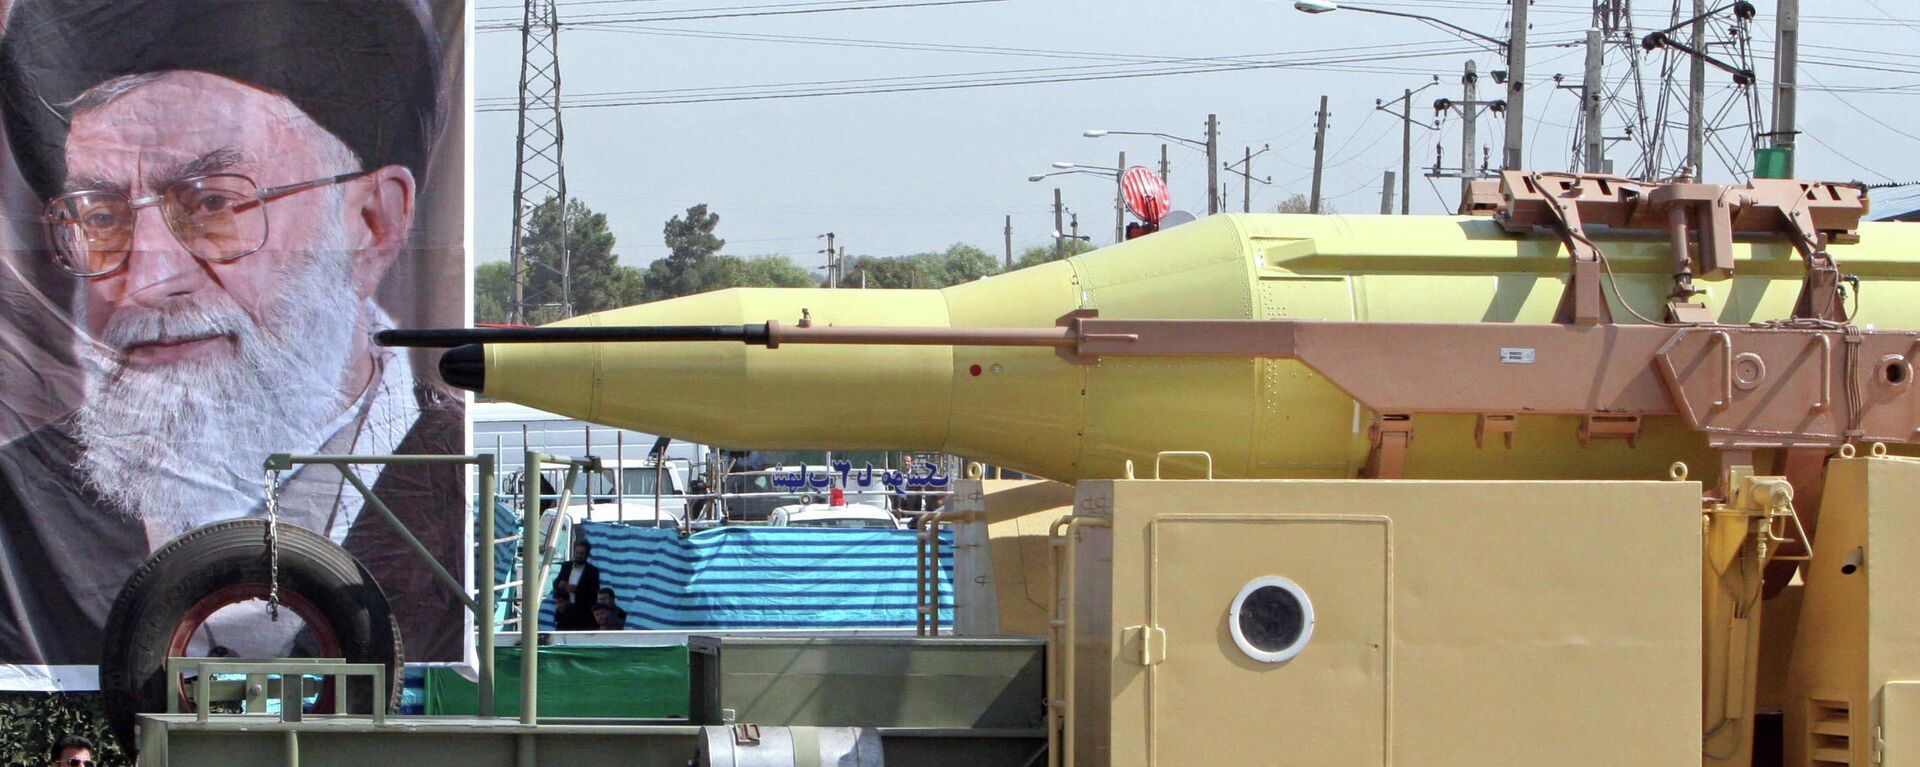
220	556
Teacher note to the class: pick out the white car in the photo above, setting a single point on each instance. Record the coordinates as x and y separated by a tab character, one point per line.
857	516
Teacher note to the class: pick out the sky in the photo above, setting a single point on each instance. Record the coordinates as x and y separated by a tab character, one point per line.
900	172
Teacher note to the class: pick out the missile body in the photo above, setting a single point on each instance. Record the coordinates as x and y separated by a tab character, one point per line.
1031	410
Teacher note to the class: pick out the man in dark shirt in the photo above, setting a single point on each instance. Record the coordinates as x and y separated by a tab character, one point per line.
580	581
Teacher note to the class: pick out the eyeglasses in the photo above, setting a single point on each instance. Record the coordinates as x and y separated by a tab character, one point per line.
74	761
217	217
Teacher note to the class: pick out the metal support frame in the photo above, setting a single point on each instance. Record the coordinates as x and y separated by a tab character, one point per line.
537	556
927	569
537	551
1700	219
257	688
481	603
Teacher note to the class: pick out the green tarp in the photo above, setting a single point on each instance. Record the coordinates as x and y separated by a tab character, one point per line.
576	681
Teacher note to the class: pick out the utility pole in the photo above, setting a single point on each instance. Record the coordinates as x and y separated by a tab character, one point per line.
1406	148
1516	86
1009	234
1163	164
1386	187
1076	229
538	173
1697	95
1786	63
1246	182
1469	115
1470	108
1244	168
1406	137
1319	153
1119	200
1592	93
1213	164
833	276
1058	224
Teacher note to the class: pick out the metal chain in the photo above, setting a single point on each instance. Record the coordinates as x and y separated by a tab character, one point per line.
272	481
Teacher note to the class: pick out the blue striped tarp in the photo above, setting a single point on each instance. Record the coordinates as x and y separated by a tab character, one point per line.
762	577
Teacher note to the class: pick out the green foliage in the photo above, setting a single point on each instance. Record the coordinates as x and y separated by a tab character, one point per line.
693	264
598	280
959	263
1300	204
879	272
1040	254
492	291
589	252
31	721
719	272
690	242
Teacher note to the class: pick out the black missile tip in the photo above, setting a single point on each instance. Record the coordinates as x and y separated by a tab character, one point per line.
465	367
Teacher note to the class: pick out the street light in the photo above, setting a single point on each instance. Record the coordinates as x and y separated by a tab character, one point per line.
1119	190
1096	133
1211	146
1514	49
1081	171
1326	6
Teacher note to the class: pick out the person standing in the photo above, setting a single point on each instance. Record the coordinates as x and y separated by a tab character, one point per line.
581	582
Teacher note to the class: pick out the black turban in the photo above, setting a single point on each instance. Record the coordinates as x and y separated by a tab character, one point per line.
365	70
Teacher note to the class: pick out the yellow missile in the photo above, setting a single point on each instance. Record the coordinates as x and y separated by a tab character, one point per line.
1028	408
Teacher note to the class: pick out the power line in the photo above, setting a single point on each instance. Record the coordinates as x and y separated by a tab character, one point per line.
1125	60
501	27
991	78
488	104
962	81
618	16
1848	104
517	6
1842	155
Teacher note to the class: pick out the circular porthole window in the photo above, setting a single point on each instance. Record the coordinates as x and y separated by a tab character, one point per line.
1271	619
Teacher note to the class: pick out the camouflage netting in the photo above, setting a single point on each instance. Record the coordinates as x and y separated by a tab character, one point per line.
31	721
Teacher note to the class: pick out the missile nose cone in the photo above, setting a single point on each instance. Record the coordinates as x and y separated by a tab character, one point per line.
465	367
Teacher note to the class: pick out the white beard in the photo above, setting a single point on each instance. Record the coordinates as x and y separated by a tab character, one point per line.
181	445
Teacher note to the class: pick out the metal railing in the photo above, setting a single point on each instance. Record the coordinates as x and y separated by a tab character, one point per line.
481	603
535	557
259	687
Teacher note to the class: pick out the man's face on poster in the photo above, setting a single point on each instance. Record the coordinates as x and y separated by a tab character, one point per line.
200	364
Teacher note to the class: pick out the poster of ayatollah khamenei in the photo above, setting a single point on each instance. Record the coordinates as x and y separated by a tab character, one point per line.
209	207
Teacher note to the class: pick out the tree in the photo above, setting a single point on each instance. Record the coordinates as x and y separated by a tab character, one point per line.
1300	204
1040	254
774	271
690	242
881	272
596	271
492	291
959	263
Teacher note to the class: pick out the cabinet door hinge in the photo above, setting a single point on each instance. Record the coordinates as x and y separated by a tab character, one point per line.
1153	643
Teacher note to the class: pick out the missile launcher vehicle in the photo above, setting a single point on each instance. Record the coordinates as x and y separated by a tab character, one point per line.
1612	473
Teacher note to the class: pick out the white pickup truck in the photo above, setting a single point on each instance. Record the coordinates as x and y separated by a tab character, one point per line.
625	492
